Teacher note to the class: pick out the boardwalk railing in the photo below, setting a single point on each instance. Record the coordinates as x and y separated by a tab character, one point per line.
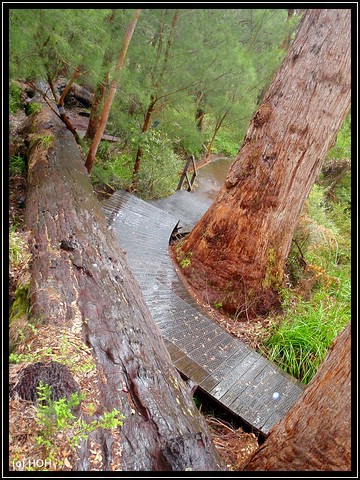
185	174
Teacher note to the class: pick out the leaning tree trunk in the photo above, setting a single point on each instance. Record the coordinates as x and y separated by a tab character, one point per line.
145	128
316	432
237	251
112	91
80	280
96	109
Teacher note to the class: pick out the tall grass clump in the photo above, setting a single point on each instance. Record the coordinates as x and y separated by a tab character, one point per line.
317	306
17	165
300	343
316	309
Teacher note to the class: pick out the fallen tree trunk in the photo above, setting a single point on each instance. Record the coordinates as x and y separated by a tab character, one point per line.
81	281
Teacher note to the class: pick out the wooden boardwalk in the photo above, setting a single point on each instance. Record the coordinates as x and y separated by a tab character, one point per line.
224	367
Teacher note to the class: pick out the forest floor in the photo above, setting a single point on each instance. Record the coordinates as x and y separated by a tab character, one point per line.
235	445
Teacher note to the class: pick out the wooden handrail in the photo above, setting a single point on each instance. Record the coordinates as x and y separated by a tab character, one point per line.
185	174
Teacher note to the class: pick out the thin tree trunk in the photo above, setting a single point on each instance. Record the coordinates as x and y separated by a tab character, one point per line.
61	110
168	46
66	90
150	110
315	435
112	91
200	111
81	283
286	42
145	128
239	248
216	131
96	109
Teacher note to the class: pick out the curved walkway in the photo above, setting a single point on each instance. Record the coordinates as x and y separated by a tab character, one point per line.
222	366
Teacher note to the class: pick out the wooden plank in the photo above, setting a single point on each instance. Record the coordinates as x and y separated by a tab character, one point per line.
228	381
257	403
174	351
195	372
237	380
224	368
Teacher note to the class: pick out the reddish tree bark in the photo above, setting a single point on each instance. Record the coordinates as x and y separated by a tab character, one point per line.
316	432
96	109
238	250
112	91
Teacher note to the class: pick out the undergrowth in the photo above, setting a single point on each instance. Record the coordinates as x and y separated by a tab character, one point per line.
317	307
159	172
55	418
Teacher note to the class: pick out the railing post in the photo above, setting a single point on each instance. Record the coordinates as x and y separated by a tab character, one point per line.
191	182
184	174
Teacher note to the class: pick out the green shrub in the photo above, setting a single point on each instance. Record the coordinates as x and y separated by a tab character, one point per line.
56	418
160	166
342	147
115	171
33	107
15	101
17	165
300	343
226	144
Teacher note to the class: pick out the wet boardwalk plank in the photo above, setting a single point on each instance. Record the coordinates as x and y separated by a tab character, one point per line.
224	367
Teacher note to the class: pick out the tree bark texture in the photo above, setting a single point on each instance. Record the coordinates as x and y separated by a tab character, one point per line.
81	281
112	91
96	109
239	248
315	435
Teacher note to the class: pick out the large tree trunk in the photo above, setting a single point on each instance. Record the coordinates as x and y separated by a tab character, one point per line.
81	281
316	432
239	248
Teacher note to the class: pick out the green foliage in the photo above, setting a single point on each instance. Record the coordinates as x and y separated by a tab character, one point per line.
178	125
226	143
206	61
316	207
15	101
45	42
115	171
159	174
342	147
21	305
18	251
20	327
56	417
42	140
300	343
319	308
33	108
17	165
